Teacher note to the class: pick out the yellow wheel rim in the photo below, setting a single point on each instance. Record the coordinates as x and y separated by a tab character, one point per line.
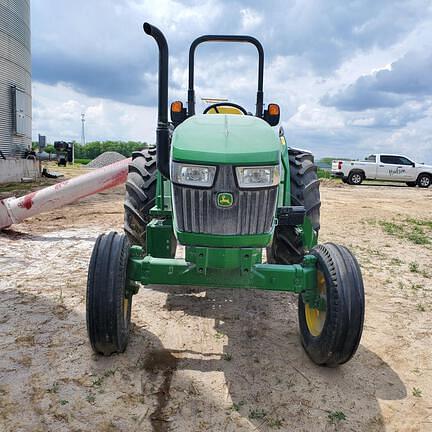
125	309
315	318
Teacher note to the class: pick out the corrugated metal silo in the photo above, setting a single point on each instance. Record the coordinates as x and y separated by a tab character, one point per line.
15	77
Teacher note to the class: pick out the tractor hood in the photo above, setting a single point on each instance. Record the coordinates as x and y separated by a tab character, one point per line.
225	139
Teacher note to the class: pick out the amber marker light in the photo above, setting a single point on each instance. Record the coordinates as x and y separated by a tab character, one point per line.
273	109
177	107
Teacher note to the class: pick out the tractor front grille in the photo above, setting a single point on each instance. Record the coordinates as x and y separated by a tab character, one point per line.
197	211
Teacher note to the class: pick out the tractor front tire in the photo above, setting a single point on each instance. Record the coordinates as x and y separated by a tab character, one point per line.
331	336
108	300
140	195
287	245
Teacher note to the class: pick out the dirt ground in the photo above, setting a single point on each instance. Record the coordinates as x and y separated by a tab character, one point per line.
217	360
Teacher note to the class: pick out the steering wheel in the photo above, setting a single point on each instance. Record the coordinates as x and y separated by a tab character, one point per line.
224	104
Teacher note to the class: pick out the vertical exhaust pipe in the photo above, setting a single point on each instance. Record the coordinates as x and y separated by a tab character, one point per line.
162	131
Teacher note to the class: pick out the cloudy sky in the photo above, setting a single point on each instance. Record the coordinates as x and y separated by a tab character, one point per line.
352	77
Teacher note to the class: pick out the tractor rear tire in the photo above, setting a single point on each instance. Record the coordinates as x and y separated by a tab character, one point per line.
287	245
108	301
140	195
331	337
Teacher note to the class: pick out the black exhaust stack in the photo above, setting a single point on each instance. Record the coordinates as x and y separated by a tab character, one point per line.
162	131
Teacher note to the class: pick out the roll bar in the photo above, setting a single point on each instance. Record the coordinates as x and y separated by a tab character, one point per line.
226	38
162	130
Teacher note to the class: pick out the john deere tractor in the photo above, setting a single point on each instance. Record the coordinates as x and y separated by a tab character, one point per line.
225	185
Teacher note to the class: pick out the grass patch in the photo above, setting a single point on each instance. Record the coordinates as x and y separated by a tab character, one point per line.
237	406
416	287
416	392
413	267
392	229
416	231
395	262
425	274
419	222
97	382
109	372
54	388
90	398
418	236
335	417
82	161
275	422
257	414
322	173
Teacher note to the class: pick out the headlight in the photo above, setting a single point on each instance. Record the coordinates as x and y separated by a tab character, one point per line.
258	176
192	175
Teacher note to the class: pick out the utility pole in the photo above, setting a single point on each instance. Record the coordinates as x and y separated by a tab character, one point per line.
82	129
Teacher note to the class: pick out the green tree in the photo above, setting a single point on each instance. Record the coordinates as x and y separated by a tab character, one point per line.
95	148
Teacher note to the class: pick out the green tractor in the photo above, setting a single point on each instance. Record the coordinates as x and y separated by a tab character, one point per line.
225	186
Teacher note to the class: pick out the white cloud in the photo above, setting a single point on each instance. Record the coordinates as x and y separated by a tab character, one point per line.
312	48
57	114
250	19
316	117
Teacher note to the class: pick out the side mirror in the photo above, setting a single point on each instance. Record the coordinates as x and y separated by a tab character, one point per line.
272	114
178	113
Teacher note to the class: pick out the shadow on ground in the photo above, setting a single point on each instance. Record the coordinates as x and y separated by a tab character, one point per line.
271	381
47	366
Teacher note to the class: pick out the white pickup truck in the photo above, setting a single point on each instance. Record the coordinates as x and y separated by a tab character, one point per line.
389	167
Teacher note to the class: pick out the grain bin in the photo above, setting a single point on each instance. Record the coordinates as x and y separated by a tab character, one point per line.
15	77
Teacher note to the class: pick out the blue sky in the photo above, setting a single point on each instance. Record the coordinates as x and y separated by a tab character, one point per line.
351	77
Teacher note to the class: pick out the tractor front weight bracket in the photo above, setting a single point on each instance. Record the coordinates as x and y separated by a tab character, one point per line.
224	268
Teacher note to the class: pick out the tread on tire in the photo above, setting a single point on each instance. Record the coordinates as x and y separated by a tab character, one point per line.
287	245
108	310
343	326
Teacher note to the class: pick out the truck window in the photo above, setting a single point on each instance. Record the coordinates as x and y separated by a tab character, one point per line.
392	160
371	158
404	161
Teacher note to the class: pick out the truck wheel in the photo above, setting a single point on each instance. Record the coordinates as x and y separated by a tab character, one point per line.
287	245
140	195
411	184
355	178
108	302
331	336
424	180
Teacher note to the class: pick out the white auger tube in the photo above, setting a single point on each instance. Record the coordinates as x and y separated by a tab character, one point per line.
14	210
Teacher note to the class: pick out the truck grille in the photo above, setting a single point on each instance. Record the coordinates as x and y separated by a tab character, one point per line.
197	210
